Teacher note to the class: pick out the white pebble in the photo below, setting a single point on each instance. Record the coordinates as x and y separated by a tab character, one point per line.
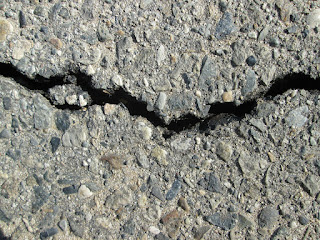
84	192
313	19
154	230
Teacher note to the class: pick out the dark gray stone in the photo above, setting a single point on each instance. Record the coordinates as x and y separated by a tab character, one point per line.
4	217
76	226
225	26
251	61
41	197
39	11
244	222
174	190
15	154
62	121
5	133
55	142
208	73
225	221
15	123
129	227
155	191
303	220
70	189
268	217
180	102
250	84
103	32
6	103
54	11
161	236
48	233
22	20
211	183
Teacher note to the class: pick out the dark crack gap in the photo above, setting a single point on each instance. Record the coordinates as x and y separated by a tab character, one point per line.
219	114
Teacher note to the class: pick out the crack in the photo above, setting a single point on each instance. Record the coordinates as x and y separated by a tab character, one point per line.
219	113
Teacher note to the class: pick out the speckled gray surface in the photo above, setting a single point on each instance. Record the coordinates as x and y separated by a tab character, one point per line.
75	168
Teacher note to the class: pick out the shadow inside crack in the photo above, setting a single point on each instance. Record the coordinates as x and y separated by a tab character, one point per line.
219	113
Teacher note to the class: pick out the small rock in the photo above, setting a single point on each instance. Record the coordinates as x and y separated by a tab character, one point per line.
74	137
225	26
70	189
170	217
258	124
142	159
117	80
56	42
268	217
15	154
251	61
41	197
154	230
313	19
161	101
5	29
174	190
22	20
263	33
129	227
84	191
109	109
200	232
224	151
184	204
248	165
115	161
227	96
104	33
5	133
250	84
311	185
211	183
244	222
225	221
4	217
155	191
55	142
48	233
239	54
71	99
63	224
296	117
208	72
303	220
76	226
62	121
161	55
146	133
6	103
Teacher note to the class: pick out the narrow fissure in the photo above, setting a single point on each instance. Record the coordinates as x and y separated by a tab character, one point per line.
219	113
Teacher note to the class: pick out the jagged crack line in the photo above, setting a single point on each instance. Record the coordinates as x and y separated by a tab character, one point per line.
220	113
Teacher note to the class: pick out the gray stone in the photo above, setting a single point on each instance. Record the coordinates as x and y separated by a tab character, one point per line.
42	115
303	220
224	151
250	84
4	217
180	102
55	142
265	109
5	133
129	227
211	182
200	232
6	103
39	11
103	33
70	189
225	26
74	137
15	154
174	190
268	217
263	33
258	123
155	191
244	222
161	101
248	165
225	221
208	73
22	19
48	233
297	117
41	197
64	12
142	159
76	226
239	54
311	185
63	224
15	123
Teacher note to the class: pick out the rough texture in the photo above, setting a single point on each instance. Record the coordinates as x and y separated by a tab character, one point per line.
76	166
